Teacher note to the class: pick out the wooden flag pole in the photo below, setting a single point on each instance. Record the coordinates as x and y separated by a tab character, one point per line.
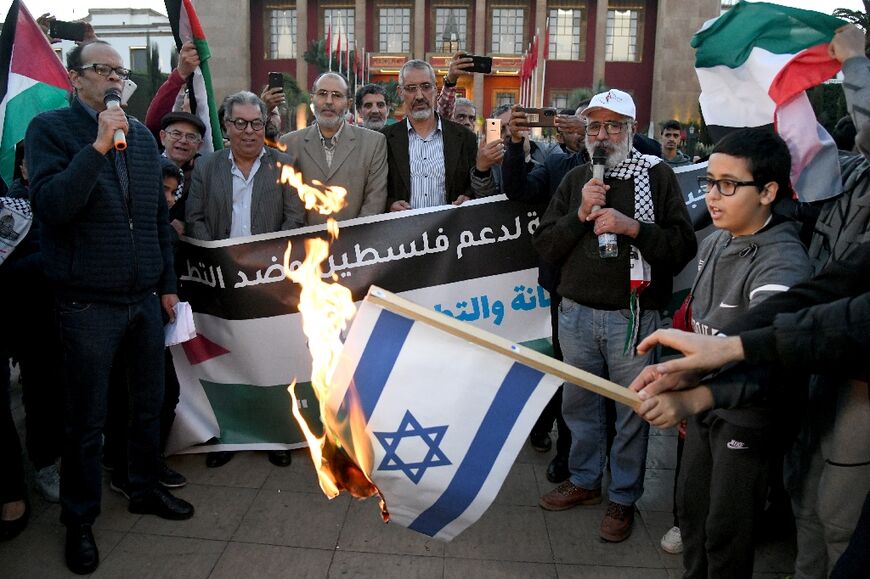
392	302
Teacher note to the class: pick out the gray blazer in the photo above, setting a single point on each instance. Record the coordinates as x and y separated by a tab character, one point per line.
359	165
274	207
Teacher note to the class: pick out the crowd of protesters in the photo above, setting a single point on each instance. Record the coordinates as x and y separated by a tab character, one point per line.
779	300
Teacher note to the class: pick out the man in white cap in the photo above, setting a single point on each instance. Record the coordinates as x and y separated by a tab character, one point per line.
609	303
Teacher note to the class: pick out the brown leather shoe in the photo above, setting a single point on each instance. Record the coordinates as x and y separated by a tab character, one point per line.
568	495
617	522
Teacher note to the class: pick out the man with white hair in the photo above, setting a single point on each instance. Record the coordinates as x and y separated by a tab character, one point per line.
609	303
237	192
430	158
335	152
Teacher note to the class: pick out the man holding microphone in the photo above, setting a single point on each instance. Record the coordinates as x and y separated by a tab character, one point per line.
611	298
96	190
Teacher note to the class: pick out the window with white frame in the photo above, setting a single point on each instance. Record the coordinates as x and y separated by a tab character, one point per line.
451	29
138	58
281	35
559	100
508	26
394	29
624	33
505	98
566	34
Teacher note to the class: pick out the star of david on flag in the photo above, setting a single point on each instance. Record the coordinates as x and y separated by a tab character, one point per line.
444	417
410	428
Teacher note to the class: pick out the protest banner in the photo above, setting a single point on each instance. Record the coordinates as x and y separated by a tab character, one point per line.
474	262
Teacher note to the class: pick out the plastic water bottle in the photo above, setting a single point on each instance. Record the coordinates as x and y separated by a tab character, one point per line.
607	247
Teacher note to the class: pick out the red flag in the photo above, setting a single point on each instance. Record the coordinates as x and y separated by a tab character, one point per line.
547	39
329	44
347	50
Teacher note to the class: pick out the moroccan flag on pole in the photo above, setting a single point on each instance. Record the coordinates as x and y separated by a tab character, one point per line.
186	27
754	64
32	80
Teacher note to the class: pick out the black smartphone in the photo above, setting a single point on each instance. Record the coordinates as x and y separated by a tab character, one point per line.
276	80
67	30
481	64
540	117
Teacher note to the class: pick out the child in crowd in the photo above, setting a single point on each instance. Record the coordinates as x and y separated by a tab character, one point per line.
755	254
173	181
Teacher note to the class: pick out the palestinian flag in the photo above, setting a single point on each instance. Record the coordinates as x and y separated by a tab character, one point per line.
754	64
186	27
33	81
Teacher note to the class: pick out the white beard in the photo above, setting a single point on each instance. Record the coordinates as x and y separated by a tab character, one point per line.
616	152
421	115
332	123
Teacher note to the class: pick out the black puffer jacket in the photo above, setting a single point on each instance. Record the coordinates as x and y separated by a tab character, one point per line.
97	245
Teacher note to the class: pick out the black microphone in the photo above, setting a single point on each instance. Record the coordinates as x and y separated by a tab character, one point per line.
599	160
607	244
112	100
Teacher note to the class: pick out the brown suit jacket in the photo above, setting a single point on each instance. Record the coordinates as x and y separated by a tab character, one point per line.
359	165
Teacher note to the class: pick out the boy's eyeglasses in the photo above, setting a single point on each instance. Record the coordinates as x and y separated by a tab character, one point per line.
726	187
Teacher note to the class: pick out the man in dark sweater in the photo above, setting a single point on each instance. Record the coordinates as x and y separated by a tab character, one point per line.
609	302
106	247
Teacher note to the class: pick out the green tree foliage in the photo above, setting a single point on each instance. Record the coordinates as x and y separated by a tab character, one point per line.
829	103
584	93
317	55
860	18
147	83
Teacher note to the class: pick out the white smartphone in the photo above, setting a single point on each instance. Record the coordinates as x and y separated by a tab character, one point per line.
128	90
493	130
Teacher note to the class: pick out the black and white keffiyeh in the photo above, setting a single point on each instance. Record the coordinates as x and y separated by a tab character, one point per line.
15	221
637	167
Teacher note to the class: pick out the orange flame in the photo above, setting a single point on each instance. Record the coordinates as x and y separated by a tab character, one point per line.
343	455
325	200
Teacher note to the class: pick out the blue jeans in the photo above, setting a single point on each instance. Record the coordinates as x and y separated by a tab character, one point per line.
593	340
94	336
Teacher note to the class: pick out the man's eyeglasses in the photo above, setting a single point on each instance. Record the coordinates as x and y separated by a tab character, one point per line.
242	124
463	117
426	87
106	70
611	127
176	135
726	187
322	94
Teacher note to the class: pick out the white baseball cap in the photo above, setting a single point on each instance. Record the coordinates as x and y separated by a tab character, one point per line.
614	100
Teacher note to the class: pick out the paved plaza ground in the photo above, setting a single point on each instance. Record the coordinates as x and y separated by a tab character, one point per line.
254	519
